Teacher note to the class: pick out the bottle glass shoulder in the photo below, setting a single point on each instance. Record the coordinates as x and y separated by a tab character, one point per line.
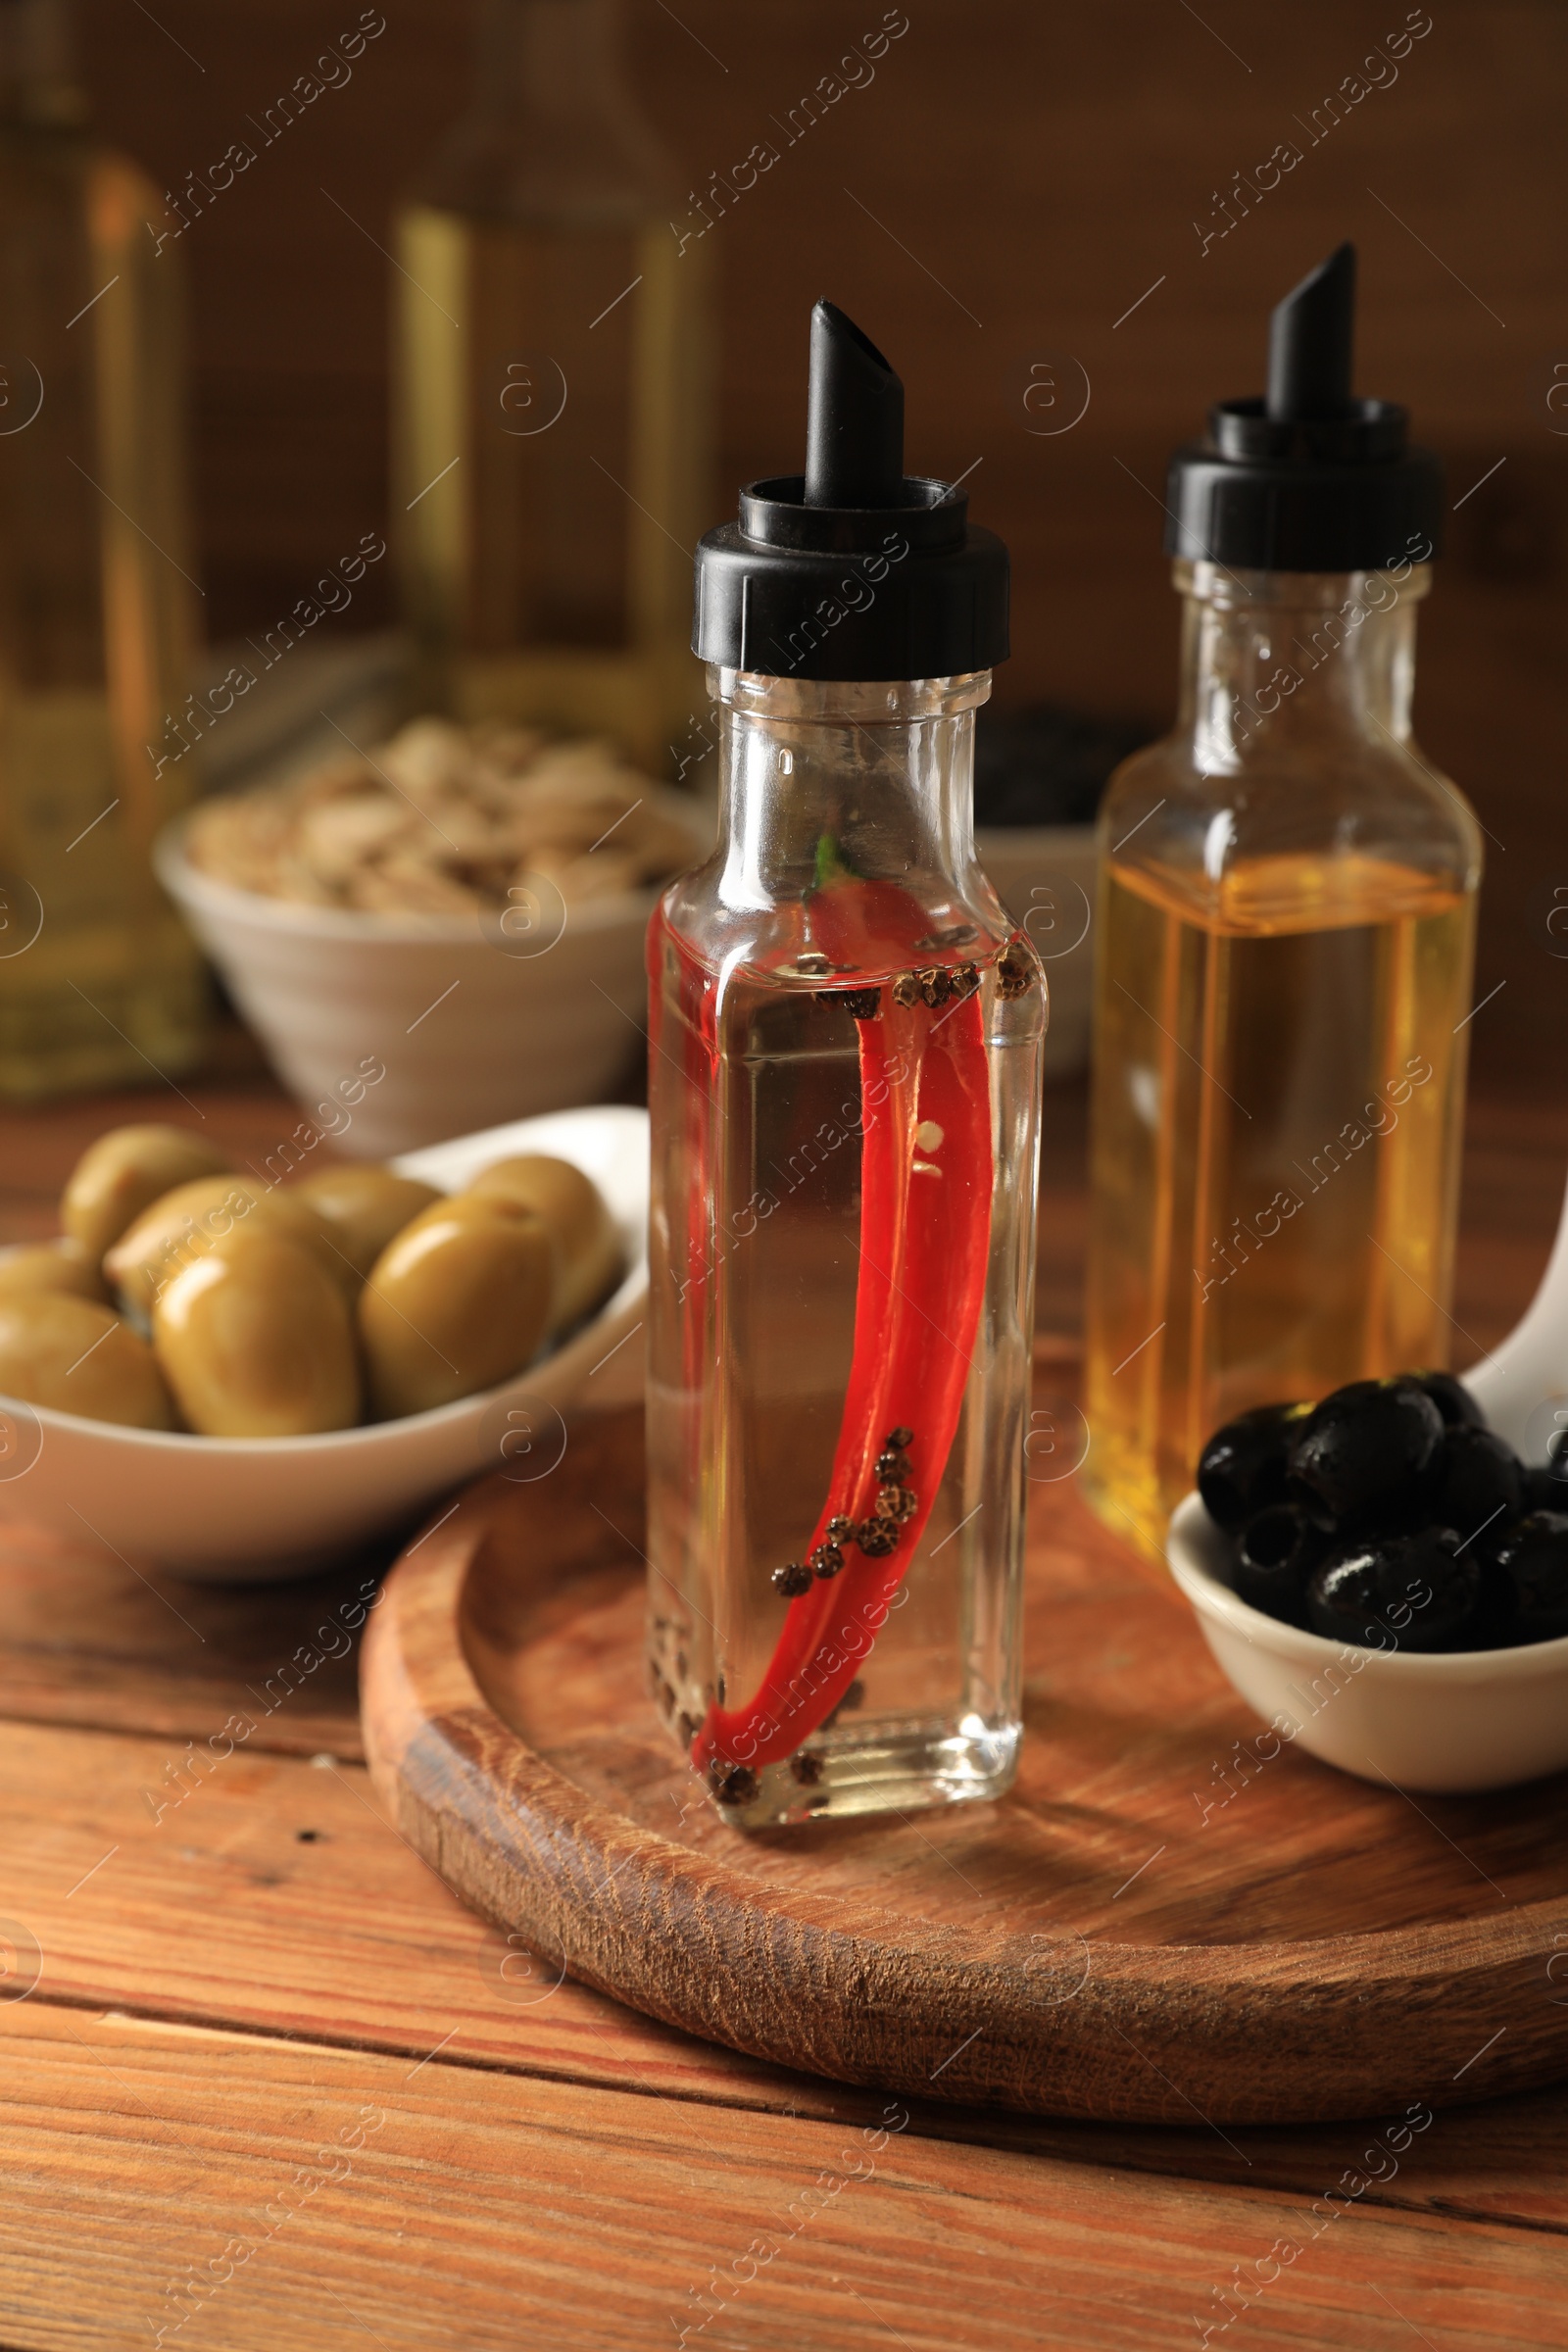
1358	832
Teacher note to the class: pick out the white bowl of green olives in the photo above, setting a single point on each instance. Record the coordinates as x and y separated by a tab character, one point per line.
235	1381
1387	1583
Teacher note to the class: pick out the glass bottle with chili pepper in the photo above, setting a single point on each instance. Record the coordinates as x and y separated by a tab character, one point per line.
845	1085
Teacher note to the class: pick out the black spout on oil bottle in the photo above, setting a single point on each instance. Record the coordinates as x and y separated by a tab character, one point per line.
1307	477
1309	342
851	569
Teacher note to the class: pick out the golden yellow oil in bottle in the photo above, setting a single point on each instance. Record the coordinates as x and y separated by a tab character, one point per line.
1278	1095
100	983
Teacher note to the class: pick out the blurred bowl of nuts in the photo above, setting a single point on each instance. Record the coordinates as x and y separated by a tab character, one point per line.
465	907
235	1379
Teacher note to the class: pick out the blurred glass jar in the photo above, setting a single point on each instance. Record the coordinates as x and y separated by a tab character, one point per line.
550	413
98	977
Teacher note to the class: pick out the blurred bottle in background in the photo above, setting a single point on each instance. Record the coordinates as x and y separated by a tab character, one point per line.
99	982
550	426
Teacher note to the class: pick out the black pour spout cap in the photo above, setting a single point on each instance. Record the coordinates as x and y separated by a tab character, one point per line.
853	569
1308	477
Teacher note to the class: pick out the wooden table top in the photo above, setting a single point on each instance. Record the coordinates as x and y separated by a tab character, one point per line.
272	2086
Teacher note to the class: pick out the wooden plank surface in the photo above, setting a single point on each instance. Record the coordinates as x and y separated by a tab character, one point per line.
324	2199
316	1917
86	1640
221	1993
318	1922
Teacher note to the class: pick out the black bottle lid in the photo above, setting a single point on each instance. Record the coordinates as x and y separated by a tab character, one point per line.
854	568
1308	479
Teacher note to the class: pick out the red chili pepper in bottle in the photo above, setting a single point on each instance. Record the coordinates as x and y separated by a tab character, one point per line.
844	1084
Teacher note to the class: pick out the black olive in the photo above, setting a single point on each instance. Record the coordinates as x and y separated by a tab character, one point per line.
1527	1564
1241	1470
1366	1458
1479	1480
1452	1400
1412	1593
1276	1552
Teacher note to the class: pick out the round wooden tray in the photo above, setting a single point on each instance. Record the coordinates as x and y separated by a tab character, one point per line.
1170	1917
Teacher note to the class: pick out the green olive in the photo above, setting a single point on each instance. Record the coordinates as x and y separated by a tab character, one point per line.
456	1301
365	1207
124	1172
256	1340
50	1266
186	1223
573	1207
76	1357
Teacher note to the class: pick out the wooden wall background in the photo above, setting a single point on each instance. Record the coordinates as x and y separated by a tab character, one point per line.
1032	170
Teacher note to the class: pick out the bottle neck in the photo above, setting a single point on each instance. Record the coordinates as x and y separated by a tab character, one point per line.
554	133
821	778
548	59
1292	664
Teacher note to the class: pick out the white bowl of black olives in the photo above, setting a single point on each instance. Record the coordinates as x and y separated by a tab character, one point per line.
1384	1580
235	1376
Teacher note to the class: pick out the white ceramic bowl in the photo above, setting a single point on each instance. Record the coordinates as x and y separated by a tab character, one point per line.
244	1509
1479	1719
470	1024
1045	877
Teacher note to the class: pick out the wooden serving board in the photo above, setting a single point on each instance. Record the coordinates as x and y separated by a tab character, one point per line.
1171	1917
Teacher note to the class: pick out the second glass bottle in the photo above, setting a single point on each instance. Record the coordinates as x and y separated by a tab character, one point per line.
1287	922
